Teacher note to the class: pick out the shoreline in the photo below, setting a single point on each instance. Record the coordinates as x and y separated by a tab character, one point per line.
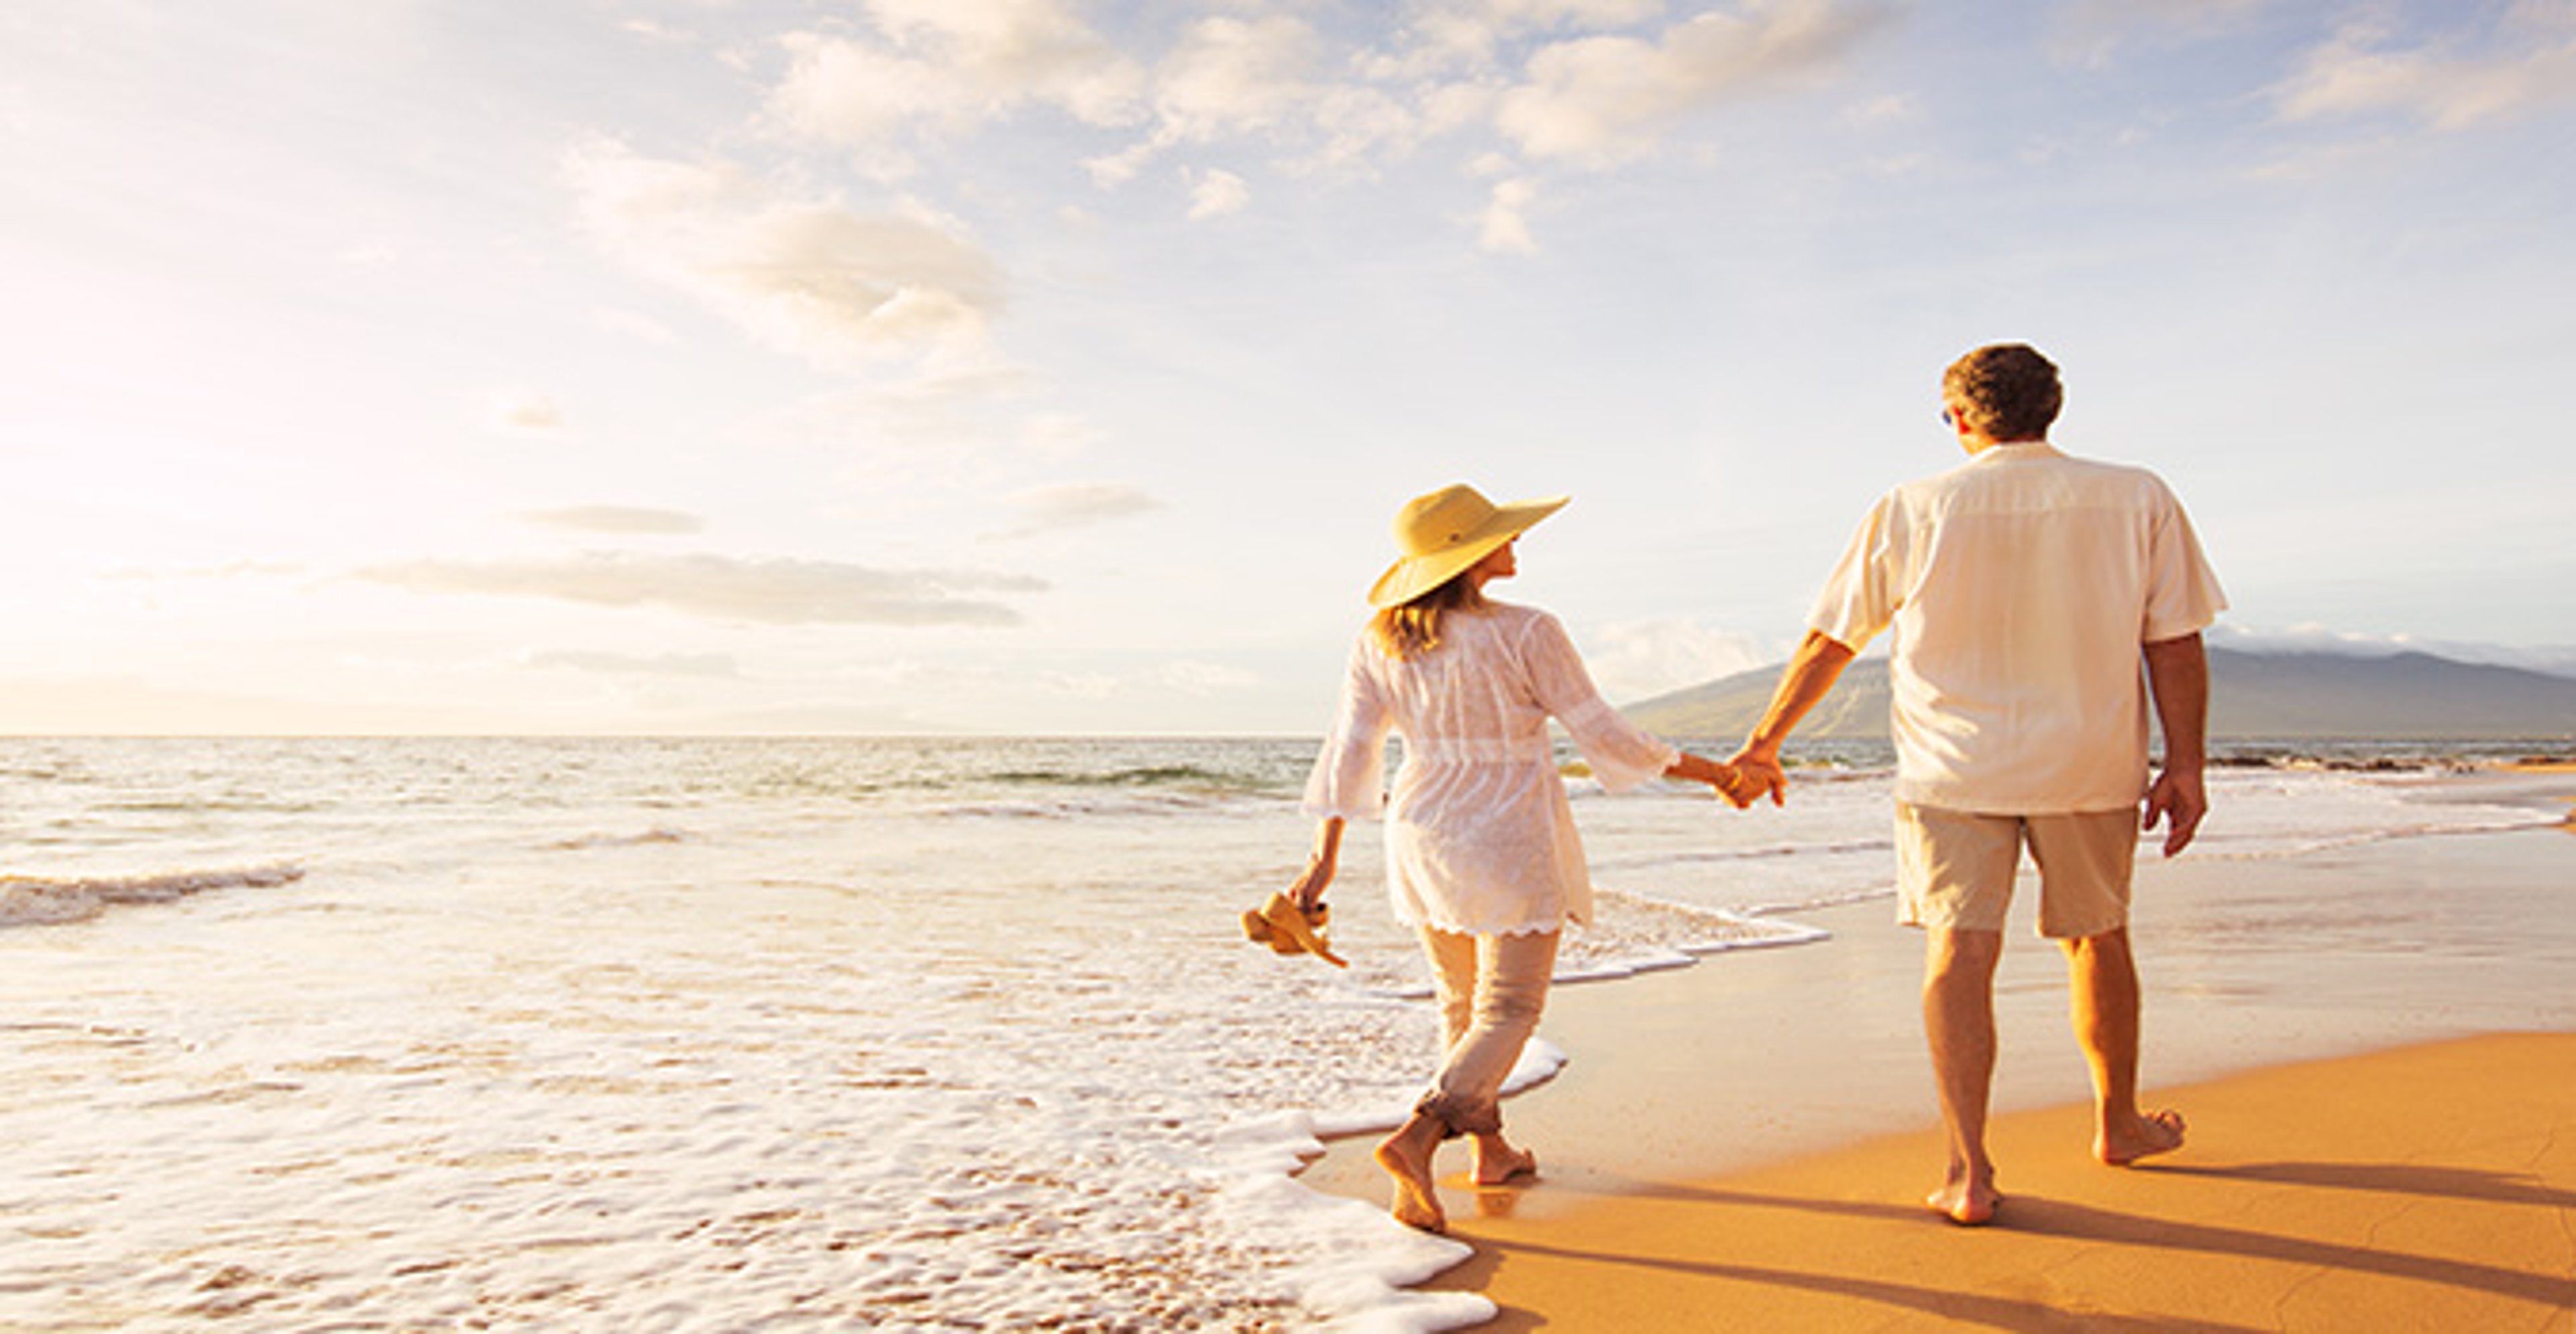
1691	1081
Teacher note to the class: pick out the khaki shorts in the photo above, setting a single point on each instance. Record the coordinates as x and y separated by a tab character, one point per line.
1955	869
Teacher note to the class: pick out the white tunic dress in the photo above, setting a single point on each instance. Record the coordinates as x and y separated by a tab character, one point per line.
1479	838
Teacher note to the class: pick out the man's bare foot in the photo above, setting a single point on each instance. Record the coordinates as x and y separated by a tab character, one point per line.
2145	1137
1417	1200
1503	1163
1966	1198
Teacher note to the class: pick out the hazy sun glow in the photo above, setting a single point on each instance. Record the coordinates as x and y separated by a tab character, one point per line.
1029	365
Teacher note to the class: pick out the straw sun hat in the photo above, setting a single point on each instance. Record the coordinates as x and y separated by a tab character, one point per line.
1443	533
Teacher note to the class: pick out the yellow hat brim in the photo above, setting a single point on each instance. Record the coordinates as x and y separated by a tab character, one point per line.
1412	576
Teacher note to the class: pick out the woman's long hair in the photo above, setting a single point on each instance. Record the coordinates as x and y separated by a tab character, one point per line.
1411	629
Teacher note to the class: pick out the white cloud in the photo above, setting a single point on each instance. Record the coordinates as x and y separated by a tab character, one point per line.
1234	76
805	275
1600	95
1022	49
1218	193
1115	169
953	65
1265	78
616	519
522	412
1360	126
1053	508
1455	34
844	92
1602	99
1515	15
1637	660
770	592
1458	107
2356	75
1504	229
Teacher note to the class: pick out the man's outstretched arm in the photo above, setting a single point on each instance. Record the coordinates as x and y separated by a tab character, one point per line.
2178	673
1811	672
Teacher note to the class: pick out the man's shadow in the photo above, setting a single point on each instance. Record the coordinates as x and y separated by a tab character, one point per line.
2453	1183
2041	1216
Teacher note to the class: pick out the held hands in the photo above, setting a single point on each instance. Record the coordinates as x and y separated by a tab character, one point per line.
1739	786
1759	773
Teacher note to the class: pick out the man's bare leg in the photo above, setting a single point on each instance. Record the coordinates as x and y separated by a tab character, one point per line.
1406	1156
2102	985
1497	1161
1959	1021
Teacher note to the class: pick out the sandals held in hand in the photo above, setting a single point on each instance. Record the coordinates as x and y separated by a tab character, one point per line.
1279	924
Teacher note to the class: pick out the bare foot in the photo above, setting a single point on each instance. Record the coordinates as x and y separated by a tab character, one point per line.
1967	1199
2151	1134
1417	1200
1501	1164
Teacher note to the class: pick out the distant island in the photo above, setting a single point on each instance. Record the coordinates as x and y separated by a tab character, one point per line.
2253	697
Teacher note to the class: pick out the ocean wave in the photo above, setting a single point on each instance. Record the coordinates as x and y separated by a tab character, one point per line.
1632	933
1148	775
35	901
1773	851
2387	757
2281	846
591	842
1133	801
1635	933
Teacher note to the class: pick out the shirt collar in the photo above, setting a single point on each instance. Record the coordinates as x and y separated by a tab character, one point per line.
2019	449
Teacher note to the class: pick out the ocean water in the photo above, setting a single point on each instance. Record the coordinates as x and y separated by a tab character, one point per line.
828	1034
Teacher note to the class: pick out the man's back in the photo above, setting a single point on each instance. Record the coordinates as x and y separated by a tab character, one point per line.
2020	587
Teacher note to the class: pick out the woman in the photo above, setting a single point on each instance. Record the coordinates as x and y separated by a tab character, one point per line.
1481	852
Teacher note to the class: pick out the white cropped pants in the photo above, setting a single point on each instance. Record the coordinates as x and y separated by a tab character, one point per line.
1491	990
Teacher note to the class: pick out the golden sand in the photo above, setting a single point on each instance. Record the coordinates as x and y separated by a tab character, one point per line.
1745	1144
2427	1188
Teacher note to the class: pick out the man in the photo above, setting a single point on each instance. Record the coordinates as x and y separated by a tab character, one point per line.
2022	588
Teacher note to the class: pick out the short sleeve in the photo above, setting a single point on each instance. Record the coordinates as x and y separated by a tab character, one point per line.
1349	778
2183	596
1621	755
1860	597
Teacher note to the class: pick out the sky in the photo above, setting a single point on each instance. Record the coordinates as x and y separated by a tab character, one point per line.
1034	366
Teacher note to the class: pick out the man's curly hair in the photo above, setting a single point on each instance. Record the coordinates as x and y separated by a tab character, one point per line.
2004	391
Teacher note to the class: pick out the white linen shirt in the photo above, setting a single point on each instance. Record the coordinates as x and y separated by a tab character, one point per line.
1480	838
2021	586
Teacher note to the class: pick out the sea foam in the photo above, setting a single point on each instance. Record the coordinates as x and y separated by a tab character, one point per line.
35	901
783	1035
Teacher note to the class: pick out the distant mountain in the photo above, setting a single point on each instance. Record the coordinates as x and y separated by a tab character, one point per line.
2253	697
